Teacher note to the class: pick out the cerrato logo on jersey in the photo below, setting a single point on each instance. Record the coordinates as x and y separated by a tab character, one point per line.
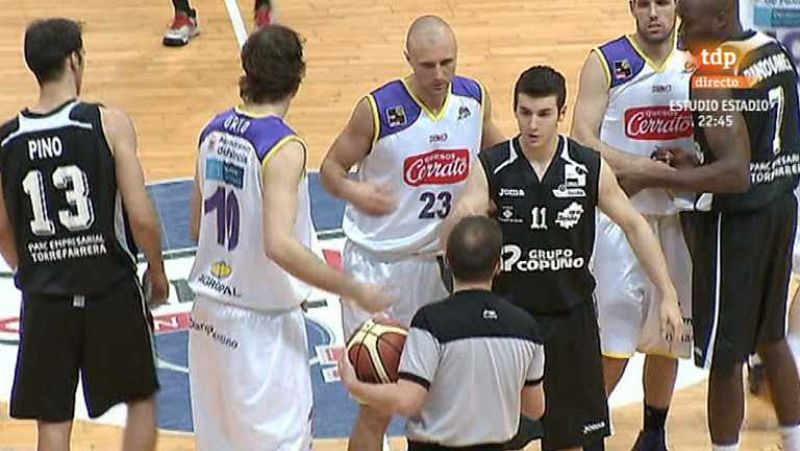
512	192
396	116
622	69
464	112
574	182
437	167
570	216
659	123
662	89
539	259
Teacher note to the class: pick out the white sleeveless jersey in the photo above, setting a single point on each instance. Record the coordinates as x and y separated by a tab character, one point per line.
231	266
423	158
644	110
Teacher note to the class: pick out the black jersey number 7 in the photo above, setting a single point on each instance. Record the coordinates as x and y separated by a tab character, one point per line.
72	181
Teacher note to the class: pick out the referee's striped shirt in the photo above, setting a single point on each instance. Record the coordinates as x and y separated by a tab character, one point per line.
474	352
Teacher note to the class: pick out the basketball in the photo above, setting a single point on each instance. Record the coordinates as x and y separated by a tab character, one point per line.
375	350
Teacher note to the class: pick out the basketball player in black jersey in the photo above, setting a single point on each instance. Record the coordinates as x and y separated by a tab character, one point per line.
742	231
543	188
70	182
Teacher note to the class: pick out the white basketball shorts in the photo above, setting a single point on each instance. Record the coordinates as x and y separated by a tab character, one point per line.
628	303
250	379
412	282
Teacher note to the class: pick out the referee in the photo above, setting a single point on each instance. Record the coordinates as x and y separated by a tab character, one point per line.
471	362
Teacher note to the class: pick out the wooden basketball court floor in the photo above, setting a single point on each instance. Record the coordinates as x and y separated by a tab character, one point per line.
352	46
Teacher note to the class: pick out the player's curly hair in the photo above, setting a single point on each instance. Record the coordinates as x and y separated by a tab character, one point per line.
272	59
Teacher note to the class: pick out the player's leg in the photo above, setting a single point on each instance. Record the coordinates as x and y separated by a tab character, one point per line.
263	13
44	388
725	403
659	377
53	436
119	363
661	364
413	283
620	290
781	369
183	26
140	426
613	369
720	316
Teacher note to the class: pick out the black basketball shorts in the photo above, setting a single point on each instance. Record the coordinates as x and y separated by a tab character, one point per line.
740	279
576	412
106	339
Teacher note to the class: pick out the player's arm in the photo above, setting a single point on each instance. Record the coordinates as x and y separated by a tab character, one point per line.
350	147
491	134
532	396
613	202
8	247
403	397
281	175
144	222
590	107
533	404
730	170
473	201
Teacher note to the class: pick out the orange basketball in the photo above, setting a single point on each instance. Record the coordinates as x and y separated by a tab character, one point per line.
375	349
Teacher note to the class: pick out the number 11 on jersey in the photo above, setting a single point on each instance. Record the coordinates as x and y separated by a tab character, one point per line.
539	218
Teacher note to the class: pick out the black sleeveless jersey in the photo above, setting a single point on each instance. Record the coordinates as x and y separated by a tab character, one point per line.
770	109
548	225
60	190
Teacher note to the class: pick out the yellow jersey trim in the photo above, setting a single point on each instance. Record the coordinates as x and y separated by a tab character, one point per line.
434	117
373	105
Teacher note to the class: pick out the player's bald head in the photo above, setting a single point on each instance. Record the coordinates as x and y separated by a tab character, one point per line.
429	31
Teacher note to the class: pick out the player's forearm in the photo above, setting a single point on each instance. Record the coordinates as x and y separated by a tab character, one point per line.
336	180
300	262
644	244
147	234
388	399
721	176
616	158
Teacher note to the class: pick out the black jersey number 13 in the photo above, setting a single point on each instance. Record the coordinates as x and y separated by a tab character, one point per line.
70	179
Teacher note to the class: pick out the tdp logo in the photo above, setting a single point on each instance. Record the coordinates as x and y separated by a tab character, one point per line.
718	58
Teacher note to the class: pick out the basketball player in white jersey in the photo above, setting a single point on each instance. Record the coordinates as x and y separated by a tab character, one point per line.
413	140
248	360
623	109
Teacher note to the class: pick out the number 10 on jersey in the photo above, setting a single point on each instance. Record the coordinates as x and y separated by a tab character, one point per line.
226	205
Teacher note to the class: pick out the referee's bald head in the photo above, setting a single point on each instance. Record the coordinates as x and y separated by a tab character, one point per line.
473	249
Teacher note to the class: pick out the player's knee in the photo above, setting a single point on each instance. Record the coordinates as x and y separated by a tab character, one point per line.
54	436
143	407
723	369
